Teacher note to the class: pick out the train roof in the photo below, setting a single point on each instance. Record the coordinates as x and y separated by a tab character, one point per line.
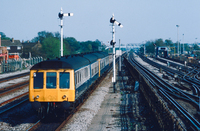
92	57
69	62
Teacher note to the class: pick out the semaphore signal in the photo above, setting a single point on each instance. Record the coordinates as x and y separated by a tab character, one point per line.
112	20
60	15
112	42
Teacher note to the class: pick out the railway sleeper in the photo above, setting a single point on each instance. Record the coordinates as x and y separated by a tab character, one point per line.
169	122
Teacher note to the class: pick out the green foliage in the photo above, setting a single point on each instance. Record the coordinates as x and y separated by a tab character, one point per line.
150	48
3	36
50	47
71	46
186	47
150	45
42	35
168	42
159	42
196	47
86	46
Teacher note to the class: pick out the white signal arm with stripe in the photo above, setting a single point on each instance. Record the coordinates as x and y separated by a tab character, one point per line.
112	20
68	14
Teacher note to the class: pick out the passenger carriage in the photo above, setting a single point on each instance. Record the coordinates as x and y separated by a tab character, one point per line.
59	83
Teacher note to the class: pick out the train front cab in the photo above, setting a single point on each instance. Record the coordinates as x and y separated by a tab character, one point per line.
53	88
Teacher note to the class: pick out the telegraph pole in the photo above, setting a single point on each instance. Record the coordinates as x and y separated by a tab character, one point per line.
112	42
60	15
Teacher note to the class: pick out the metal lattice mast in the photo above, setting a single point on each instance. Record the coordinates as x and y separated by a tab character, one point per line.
60	15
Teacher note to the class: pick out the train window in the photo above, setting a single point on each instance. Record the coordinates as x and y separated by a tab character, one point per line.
80	77
92	72
75	79
96	70
86	72
38	80
51	80
64	80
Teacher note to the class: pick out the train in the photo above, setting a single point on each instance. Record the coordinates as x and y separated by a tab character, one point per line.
162	52
59	84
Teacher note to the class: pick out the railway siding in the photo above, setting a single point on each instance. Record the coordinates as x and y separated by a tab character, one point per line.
167	118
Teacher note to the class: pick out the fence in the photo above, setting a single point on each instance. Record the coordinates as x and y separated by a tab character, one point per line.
14	65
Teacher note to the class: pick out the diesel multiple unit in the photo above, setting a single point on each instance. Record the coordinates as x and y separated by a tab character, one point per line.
59	83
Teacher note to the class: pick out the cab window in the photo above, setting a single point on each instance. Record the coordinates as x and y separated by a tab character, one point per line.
64	80
51	80
38	80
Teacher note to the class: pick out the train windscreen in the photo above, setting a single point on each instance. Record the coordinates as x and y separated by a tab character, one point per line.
38	80
51	80
64	80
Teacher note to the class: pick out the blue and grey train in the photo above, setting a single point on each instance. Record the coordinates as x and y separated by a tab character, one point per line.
59	83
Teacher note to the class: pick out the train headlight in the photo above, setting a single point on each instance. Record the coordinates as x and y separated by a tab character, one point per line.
64	97
37	97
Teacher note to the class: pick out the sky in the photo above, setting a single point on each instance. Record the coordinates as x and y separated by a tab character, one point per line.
142	20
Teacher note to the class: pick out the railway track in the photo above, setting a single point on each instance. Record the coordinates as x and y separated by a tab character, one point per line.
13	103
14	77
190	76
195	84
12	88
167	91
57	126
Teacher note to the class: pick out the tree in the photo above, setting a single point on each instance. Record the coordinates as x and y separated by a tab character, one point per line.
42	35
57	35
196	47
186	47
3	36
169	42
159	42
51	47
72	45
150	48
86	46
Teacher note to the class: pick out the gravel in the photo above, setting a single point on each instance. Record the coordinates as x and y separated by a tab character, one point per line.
82	119
12	82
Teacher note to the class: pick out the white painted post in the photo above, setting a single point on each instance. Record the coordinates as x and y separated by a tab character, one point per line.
119	56
60	15
177	39
113	21
113	38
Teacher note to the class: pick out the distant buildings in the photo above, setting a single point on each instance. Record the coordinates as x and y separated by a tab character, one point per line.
13	49
30	49
13	46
